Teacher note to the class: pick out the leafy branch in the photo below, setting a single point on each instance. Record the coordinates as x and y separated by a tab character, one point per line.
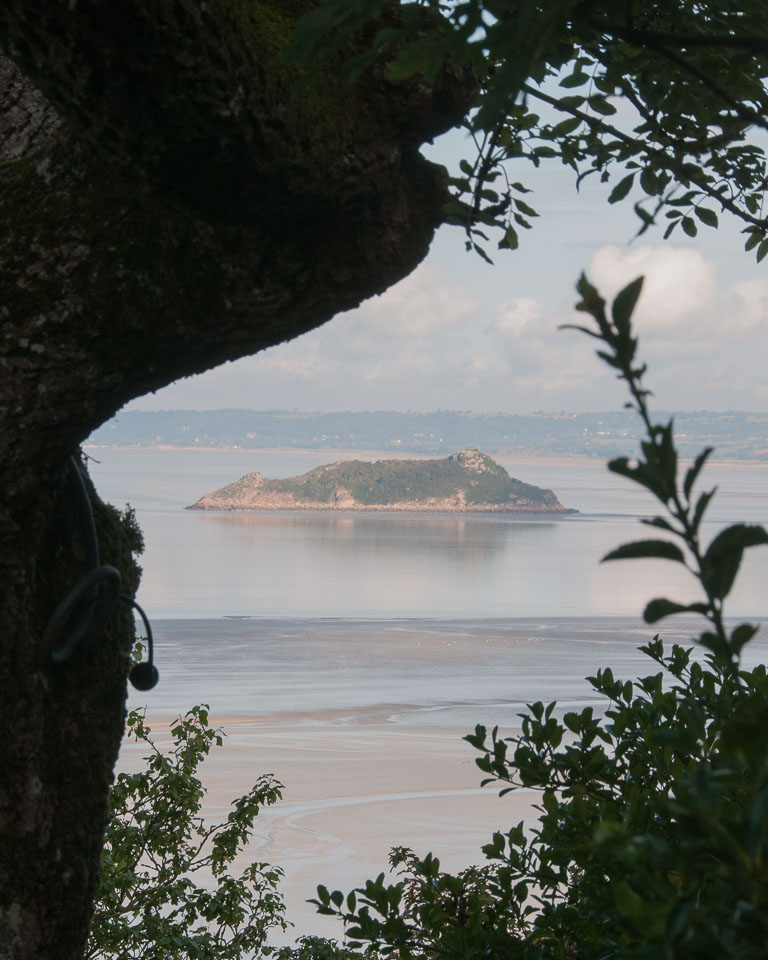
156	840
715	566
692	74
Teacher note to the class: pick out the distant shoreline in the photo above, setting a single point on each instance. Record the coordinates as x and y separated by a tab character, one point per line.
386	508
733	434
554	458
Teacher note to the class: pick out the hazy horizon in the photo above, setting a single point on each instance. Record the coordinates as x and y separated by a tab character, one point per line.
658	412
739	435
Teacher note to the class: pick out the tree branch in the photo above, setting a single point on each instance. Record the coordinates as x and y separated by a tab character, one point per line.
684	41
660	42
662	157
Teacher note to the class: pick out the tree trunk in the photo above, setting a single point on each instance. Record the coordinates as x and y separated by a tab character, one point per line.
168	201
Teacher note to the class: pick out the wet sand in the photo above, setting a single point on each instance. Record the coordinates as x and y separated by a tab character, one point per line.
368	743
355	786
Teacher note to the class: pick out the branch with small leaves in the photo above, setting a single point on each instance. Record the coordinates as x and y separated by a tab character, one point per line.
714	566
684	84
156	840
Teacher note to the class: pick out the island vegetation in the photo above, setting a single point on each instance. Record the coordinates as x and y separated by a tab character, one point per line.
465	481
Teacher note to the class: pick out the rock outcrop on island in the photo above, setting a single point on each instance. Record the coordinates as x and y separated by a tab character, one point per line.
468	481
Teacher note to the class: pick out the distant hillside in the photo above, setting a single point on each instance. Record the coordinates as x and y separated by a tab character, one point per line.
738	435
466	481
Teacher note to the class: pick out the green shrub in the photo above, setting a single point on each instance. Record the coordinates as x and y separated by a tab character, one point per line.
149	903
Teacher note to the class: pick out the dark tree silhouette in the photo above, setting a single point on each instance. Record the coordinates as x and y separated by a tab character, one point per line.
169	200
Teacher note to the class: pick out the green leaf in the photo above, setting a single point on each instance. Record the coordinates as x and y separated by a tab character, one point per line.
575	79
421	56
660	608
629	903
641	549
689	226
659	522
647	475
565	127
523	207
721	562
649	182
337	898
737	537
511	241
572	102
707	216
624	304
741	636
694	470
602	105
621	189
701	505
481	253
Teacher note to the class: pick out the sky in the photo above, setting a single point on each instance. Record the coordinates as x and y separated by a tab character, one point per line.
458	334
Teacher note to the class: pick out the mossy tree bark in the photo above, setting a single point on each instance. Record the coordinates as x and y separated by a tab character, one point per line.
168	202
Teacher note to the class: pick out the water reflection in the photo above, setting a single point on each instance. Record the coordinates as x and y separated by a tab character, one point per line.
393	565
481	536
329	565
377	566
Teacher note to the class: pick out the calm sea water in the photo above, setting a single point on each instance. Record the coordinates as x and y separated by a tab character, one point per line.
448	673
303	565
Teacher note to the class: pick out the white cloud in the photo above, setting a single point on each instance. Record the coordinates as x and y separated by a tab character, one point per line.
679	285
517	317
432	341
705	348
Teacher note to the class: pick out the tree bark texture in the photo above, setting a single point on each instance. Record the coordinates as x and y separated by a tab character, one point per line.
169	199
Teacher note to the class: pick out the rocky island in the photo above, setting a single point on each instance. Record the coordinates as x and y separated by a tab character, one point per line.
468	481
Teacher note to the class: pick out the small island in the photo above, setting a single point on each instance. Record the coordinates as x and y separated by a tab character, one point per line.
465	482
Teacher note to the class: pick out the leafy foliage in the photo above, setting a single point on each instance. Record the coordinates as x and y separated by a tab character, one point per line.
715	566
149	904
314	948
392	481
653	832
660	98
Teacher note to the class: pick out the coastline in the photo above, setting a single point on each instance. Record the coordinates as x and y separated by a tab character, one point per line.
527	458
417	508
462	483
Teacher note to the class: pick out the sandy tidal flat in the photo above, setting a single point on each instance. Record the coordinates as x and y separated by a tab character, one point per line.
369	743
355	786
